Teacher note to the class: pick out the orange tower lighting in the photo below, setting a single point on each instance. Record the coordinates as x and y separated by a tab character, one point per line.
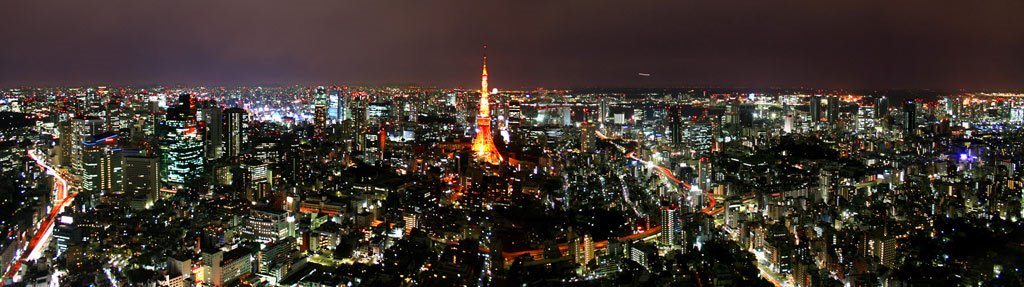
483	144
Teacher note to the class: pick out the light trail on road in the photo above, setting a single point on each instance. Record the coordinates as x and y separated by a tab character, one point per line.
709	210
33	250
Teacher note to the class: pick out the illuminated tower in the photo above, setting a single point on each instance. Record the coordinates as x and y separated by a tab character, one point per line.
483	144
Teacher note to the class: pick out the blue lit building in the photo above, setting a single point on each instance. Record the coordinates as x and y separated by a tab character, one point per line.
101	163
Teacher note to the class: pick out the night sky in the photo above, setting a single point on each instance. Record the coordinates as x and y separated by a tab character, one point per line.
874	44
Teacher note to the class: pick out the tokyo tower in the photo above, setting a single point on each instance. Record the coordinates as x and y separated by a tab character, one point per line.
483	144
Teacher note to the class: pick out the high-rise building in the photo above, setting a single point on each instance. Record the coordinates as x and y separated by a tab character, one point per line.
787	123
589	250
603	108
66	234
953	106
255	180
141	177
515	115
885	250
336	107
700	136
65	143
92	100
181	147
112	114
826	184
80	129
881	107
675	124
587	139
670	226
581	248
320	112
833	110
909	117
566	116
815	109
211	119
357	125
101	163
483	144
378	112
235	131
732	116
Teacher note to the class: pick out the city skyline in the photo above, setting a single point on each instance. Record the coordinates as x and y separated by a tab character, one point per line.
733	143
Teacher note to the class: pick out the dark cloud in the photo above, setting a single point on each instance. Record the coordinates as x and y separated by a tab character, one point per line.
572	43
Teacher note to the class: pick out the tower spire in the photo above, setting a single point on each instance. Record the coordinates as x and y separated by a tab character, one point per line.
483	144
484	91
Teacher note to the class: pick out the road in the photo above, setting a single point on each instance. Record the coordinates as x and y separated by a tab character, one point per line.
665	172
35	246
710	209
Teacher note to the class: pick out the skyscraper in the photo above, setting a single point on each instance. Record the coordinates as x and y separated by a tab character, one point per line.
669	226
212	120
141	177
320	112
112	115
66	135
235	124
675	124
483	144
833	110
787	123
81	128
584	250
101	163
881	107
587	140
909	117
336	107
181	149
815	109
357	125
602	112
515	114
255	180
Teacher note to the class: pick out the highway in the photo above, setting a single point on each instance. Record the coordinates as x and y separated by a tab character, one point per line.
34	249
665	172
710	209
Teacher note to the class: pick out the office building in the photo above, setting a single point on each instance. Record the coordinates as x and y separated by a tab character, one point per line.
235	131
181	147
101	163
211	119
141	178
